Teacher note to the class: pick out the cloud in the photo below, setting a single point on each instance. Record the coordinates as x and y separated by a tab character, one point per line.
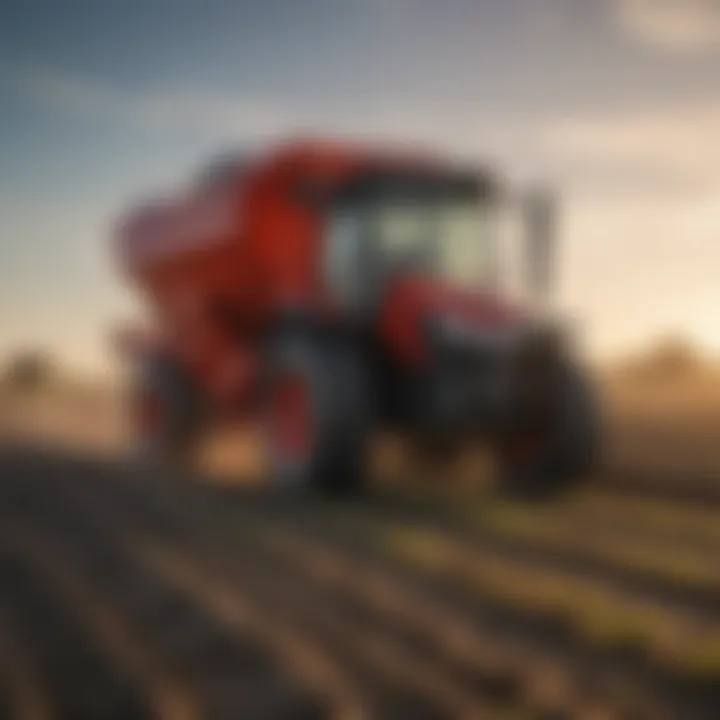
636	267
680	25
665	147
641	219
670	142
228	116
153	108
55	288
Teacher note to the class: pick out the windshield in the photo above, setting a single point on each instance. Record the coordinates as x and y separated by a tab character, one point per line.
453	239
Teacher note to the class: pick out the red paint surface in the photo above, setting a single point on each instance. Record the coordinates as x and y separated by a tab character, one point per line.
292	416
415	298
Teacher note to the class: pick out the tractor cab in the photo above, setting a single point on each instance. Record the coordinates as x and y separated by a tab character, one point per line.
436	226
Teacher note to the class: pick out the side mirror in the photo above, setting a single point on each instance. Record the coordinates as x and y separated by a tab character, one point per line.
539	211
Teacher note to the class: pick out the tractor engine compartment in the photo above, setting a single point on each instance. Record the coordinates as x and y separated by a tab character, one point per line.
487	380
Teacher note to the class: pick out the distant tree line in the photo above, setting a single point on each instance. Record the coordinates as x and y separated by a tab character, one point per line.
27	371
674	356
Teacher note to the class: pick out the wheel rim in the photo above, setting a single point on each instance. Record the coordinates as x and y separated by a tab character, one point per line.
292	418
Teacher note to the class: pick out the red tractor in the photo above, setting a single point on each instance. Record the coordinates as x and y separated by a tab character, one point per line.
334	290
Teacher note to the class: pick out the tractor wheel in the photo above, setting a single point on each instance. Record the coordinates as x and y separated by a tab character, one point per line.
316	424
166	416
556	452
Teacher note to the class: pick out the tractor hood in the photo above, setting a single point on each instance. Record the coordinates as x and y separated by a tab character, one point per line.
414	305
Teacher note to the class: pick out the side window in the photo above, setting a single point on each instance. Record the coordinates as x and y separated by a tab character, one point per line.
342	257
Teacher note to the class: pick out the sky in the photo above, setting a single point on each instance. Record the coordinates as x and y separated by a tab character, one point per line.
616	102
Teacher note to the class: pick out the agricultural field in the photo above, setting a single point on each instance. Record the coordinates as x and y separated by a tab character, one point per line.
125	594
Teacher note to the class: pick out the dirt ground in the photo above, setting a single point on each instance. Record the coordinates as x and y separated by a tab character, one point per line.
126	595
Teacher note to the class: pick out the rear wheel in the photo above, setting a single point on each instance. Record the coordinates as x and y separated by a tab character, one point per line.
316	423
556	449
166	417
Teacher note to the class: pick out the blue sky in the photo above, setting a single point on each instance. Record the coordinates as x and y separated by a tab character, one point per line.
618	101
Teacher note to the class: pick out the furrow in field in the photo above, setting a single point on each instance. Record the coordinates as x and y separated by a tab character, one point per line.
646	483
544	685
652	514
165	696
602	613
643	525
232	674
650	518
227	518
541	683
348	628
406	684
23	694
342	699
336	622
686	575
685	580
526	605
522	611
75	673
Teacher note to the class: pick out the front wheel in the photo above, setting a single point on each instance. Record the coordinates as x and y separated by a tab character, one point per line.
165	416
558	449
315	420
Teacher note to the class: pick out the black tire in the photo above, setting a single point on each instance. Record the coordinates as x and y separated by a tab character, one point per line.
566	448
172	440
332	457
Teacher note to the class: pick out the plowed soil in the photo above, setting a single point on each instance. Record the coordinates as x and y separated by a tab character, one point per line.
126	594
